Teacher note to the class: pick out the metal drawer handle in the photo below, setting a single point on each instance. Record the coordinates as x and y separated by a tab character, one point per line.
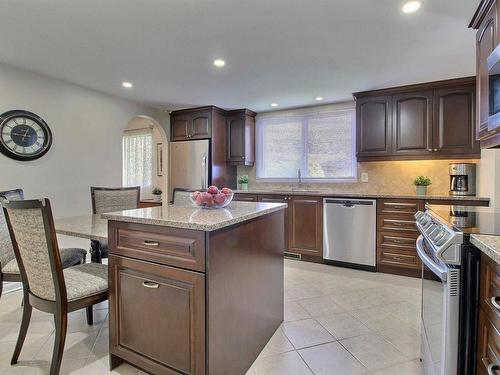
150	285
398	241
495	303
150	243
491	368
398	224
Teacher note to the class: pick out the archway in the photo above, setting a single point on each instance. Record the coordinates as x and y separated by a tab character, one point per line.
159	152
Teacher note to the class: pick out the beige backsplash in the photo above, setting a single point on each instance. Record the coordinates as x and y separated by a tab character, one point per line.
384	177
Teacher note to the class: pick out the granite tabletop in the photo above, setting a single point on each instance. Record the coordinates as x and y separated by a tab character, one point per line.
91	227
343	194
191	217
490	245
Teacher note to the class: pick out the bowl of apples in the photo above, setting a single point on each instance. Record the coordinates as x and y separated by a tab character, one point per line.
212	198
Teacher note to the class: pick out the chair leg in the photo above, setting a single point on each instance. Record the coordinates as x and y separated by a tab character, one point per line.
90	315
22	330
61	321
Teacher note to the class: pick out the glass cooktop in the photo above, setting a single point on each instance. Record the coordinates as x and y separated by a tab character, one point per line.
470	219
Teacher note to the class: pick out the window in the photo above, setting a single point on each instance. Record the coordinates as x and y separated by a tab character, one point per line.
320	142
138	158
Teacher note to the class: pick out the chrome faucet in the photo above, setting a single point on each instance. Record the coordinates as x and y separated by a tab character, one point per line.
299	175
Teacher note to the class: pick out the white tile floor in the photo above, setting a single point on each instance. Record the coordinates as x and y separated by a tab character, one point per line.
337	322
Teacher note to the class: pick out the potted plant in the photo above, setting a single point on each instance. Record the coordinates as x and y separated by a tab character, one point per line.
157	194
243	181
421	183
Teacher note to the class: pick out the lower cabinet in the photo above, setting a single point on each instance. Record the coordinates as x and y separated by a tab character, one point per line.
245	197
305	226
488	354
159	316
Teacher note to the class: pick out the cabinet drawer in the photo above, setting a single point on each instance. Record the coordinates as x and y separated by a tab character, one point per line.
490	289
245	197
157	316
398	224
409	207
405	259
174	247
403	241
488	344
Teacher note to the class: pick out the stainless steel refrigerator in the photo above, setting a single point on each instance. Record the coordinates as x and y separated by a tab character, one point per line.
189	165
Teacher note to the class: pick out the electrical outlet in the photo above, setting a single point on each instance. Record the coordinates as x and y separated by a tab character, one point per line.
364	177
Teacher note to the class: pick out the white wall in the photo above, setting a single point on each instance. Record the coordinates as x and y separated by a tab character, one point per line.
489	176
87	128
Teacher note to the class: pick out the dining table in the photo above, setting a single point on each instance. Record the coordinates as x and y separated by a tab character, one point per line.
92	227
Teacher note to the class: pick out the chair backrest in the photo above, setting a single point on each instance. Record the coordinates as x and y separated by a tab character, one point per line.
6	249
114	199
181	197
33	236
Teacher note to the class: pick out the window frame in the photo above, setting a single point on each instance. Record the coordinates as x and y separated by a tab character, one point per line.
305	115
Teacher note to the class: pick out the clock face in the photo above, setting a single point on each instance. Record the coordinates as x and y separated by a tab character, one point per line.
24	135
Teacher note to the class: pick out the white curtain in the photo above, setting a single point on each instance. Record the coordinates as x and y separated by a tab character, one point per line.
138	159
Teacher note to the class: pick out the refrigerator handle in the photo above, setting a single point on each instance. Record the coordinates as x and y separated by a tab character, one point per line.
204	181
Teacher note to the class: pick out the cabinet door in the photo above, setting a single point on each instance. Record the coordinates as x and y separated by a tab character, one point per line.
454	131
486	41
412	123
201	125
157	316
179	127
236	139
306	225
275	198
373	127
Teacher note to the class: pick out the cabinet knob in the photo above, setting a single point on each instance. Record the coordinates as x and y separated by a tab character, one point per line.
435	149
242	158
430	149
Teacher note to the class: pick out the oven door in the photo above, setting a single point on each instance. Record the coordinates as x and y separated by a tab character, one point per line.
439	336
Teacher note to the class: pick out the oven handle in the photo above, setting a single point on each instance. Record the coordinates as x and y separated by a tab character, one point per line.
438	271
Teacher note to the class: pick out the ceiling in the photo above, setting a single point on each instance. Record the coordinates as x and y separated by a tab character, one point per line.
284	51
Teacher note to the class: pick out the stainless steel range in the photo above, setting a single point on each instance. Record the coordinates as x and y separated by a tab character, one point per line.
439	247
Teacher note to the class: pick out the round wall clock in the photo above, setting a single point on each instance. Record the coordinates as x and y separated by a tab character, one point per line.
24	135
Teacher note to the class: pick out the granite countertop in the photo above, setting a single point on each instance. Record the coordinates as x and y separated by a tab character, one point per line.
343	194
490	245
190	217
91	227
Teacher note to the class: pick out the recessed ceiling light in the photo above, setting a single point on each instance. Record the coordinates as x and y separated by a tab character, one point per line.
411	6
127	85
219	63
319	98
274	104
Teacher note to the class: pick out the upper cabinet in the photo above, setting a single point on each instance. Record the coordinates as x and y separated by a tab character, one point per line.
485	20
373	116
232	132
241	137
191	124
425	121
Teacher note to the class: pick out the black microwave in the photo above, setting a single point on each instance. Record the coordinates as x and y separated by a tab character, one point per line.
494	89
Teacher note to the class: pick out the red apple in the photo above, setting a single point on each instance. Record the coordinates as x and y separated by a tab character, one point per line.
196	194
206	198
227	191
220	199
213	190
199	199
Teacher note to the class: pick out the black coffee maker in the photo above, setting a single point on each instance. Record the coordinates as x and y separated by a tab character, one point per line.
462	179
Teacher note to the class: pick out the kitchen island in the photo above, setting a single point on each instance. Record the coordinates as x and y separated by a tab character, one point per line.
195	291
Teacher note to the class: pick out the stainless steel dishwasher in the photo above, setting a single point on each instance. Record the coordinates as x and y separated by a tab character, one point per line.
349	233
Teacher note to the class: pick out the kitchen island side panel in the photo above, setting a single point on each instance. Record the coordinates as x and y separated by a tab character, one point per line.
244	284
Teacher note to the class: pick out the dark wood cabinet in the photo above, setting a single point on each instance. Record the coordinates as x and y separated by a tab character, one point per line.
241	137
278	198
374	126
432	120
412	114
485	20
488	341
305	225
191	124
147	298
454	117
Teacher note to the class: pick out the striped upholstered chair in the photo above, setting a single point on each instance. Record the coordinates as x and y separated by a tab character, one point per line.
111	200
9	269
46	286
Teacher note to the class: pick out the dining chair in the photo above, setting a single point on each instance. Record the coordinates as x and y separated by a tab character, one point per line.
9	268
46	285
106	199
